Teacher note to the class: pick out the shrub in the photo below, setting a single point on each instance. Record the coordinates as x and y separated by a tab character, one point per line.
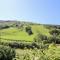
39	37
6	53
57	40
55	36
24	45
51	39
29	46
40	40
14	45
54	32
4	27
34	44
29	30
54	40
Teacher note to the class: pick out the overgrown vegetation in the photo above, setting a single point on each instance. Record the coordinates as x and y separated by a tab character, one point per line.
6	53
52	53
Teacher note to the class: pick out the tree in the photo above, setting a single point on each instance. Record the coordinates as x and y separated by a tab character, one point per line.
54	34
29	30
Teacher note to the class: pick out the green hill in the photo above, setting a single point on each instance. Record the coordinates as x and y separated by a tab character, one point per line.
16	31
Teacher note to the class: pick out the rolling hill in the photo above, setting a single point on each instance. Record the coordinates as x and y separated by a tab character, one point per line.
16	30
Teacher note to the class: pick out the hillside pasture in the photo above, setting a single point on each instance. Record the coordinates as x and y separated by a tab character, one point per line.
14	33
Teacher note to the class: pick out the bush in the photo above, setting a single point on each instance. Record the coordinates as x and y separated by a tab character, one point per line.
14	45
54	32
34	44
24	45
51	39
28	30
39	37
41	41
54	40
6	53
4	27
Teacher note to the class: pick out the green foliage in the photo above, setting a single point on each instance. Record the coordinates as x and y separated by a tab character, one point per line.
39	37
6	53
54	40
38	47
55	36
55	32
29	30
52	53
41	40
24	45
4	27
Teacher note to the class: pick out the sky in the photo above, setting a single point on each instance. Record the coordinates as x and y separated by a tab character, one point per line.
38	11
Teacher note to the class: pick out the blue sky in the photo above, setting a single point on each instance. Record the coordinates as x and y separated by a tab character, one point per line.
40	11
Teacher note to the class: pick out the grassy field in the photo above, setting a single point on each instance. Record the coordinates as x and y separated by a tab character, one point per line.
17	34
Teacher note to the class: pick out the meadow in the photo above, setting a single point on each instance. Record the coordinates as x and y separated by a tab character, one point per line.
17	34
